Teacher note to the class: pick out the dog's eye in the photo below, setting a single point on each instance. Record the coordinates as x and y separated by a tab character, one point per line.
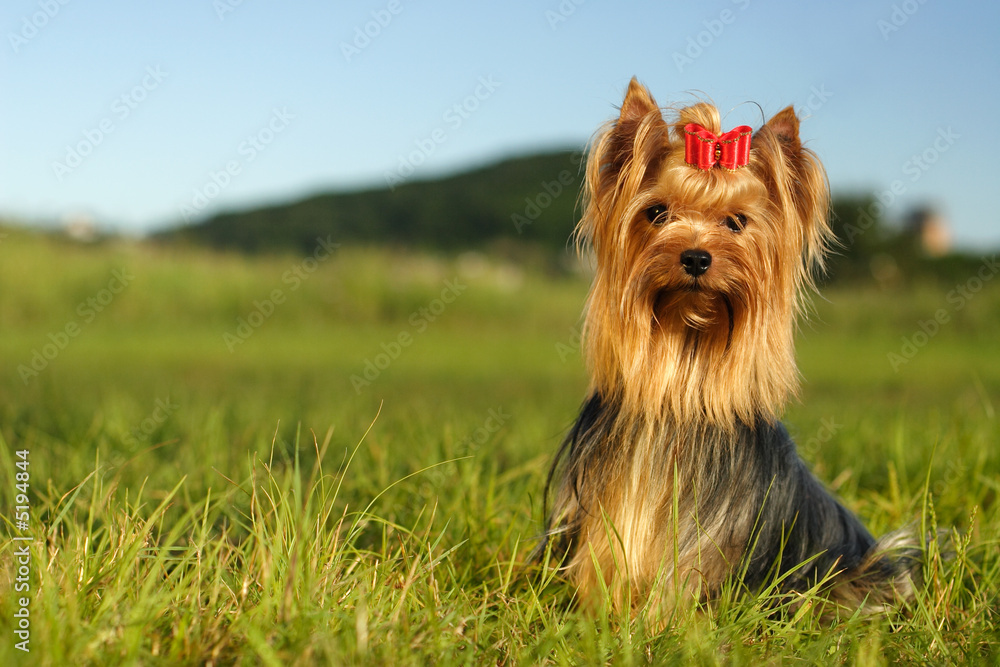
656	214
736	222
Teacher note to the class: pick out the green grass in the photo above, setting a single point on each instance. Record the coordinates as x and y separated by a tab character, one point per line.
194	505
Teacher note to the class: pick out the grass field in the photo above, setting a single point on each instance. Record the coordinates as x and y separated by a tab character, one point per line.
340	458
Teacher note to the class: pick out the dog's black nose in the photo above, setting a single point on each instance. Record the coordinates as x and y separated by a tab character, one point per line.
695	262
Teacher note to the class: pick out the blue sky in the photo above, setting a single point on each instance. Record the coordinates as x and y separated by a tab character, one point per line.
138	113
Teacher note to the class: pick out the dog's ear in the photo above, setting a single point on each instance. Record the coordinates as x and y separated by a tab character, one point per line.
638	102
785	125
799	174
621	159
638	119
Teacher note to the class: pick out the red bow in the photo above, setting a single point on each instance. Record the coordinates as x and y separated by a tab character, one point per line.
704	150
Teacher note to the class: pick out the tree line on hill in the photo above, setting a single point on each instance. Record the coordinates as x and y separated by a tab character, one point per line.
528	201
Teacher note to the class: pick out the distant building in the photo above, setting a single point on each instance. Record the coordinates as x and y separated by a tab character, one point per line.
930	230
80	228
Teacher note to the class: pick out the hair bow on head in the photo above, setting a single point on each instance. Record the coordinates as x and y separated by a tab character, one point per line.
704	150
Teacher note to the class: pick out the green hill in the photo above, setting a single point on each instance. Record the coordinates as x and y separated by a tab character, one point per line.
530	199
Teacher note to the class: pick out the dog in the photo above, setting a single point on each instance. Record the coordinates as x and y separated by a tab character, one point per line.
677	475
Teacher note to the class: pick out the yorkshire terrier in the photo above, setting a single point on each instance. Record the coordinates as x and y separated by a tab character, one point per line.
678	476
